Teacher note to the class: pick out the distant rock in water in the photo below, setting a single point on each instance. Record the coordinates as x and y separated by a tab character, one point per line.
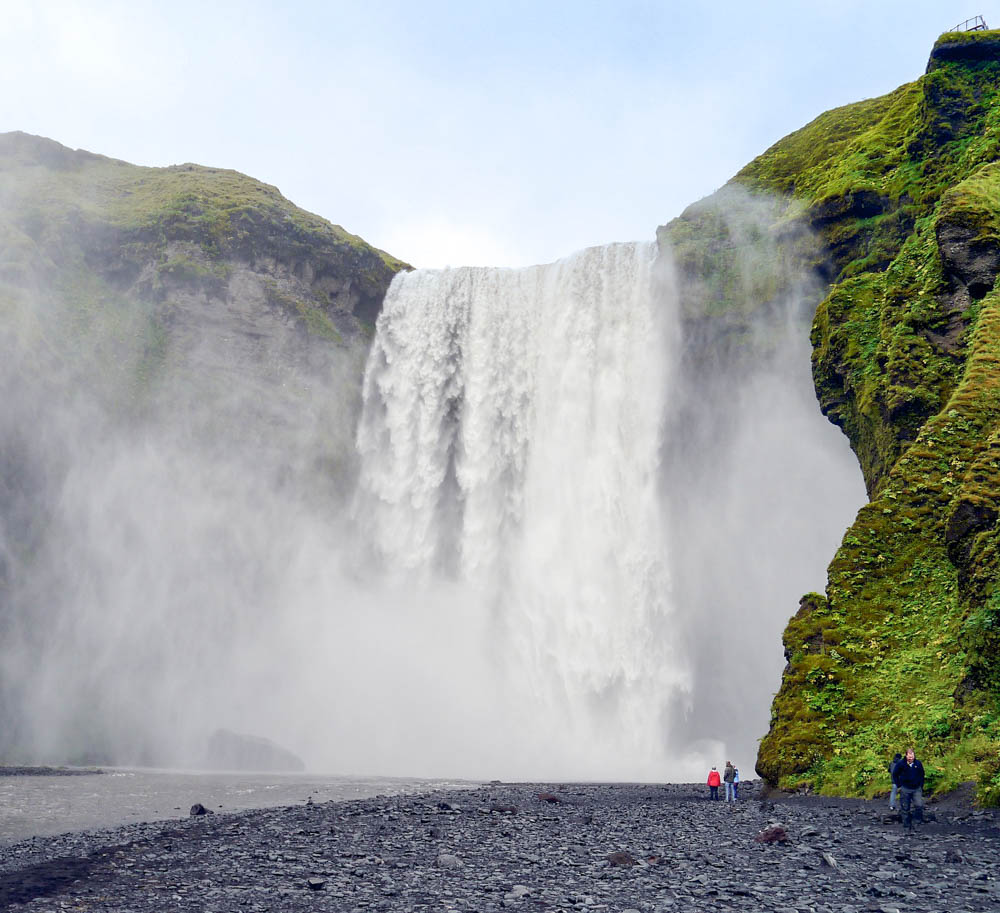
234	751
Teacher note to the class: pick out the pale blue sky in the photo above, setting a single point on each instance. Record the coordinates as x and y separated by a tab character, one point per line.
452	133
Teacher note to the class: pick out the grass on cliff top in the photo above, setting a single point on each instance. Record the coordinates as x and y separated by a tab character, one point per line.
47	182
855	146
982	36
907	146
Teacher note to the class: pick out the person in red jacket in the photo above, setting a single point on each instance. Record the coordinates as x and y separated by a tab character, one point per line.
714	780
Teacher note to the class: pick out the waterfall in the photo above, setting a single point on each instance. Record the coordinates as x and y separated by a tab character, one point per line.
509	443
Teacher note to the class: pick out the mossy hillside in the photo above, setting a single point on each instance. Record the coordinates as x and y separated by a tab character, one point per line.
900	198
834	199
902	648
125	222
968	47
737	264
861	175
880	358
839	200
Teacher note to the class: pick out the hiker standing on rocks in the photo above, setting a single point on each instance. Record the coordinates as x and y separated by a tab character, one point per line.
729	775
736	783
893	764
910	776
713	783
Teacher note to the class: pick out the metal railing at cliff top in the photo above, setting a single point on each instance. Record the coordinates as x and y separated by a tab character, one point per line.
975	24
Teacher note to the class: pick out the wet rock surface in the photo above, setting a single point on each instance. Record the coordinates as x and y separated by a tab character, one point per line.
501	847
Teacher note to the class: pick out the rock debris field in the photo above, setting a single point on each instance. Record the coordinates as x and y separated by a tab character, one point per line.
524	848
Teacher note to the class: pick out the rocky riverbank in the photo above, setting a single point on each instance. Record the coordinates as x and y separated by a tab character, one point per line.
523	847
49	771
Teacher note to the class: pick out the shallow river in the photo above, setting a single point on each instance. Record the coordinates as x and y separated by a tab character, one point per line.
34	806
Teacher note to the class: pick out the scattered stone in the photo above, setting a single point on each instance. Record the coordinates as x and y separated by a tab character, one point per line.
549	797
516	893
449	861
775	833
199	809
503	809
830	861
385	855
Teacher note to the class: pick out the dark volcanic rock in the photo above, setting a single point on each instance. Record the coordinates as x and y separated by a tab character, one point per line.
773	834
621	859
967	260
686	854
969	48
49	771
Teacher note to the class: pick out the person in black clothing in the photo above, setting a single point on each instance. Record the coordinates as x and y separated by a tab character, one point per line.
910	777
893	764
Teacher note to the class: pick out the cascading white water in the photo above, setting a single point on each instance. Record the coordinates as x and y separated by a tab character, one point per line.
509	439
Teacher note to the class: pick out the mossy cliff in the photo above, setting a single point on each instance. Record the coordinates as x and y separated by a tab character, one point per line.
893	206
81	220
156	290
189	313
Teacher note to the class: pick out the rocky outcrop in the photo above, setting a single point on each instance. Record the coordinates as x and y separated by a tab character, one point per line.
161	232
900	194
185	319
964	47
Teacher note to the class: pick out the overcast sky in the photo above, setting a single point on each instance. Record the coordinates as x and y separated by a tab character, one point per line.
502	133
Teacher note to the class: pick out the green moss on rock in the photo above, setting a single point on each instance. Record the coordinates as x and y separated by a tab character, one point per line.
901	195
153	230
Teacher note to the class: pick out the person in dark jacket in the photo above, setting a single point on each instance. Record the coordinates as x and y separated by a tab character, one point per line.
728	777
910	777
893	764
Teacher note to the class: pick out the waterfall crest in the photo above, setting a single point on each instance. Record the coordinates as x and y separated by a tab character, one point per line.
509	441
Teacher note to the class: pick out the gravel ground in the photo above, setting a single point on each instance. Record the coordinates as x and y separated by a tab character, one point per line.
604	847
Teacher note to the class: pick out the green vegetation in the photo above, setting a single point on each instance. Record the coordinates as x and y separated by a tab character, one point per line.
153	234
902	194
316	320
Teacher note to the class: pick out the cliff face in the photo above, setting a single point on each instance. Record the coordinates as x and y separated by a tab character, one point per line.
179	347
901	198
170	234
